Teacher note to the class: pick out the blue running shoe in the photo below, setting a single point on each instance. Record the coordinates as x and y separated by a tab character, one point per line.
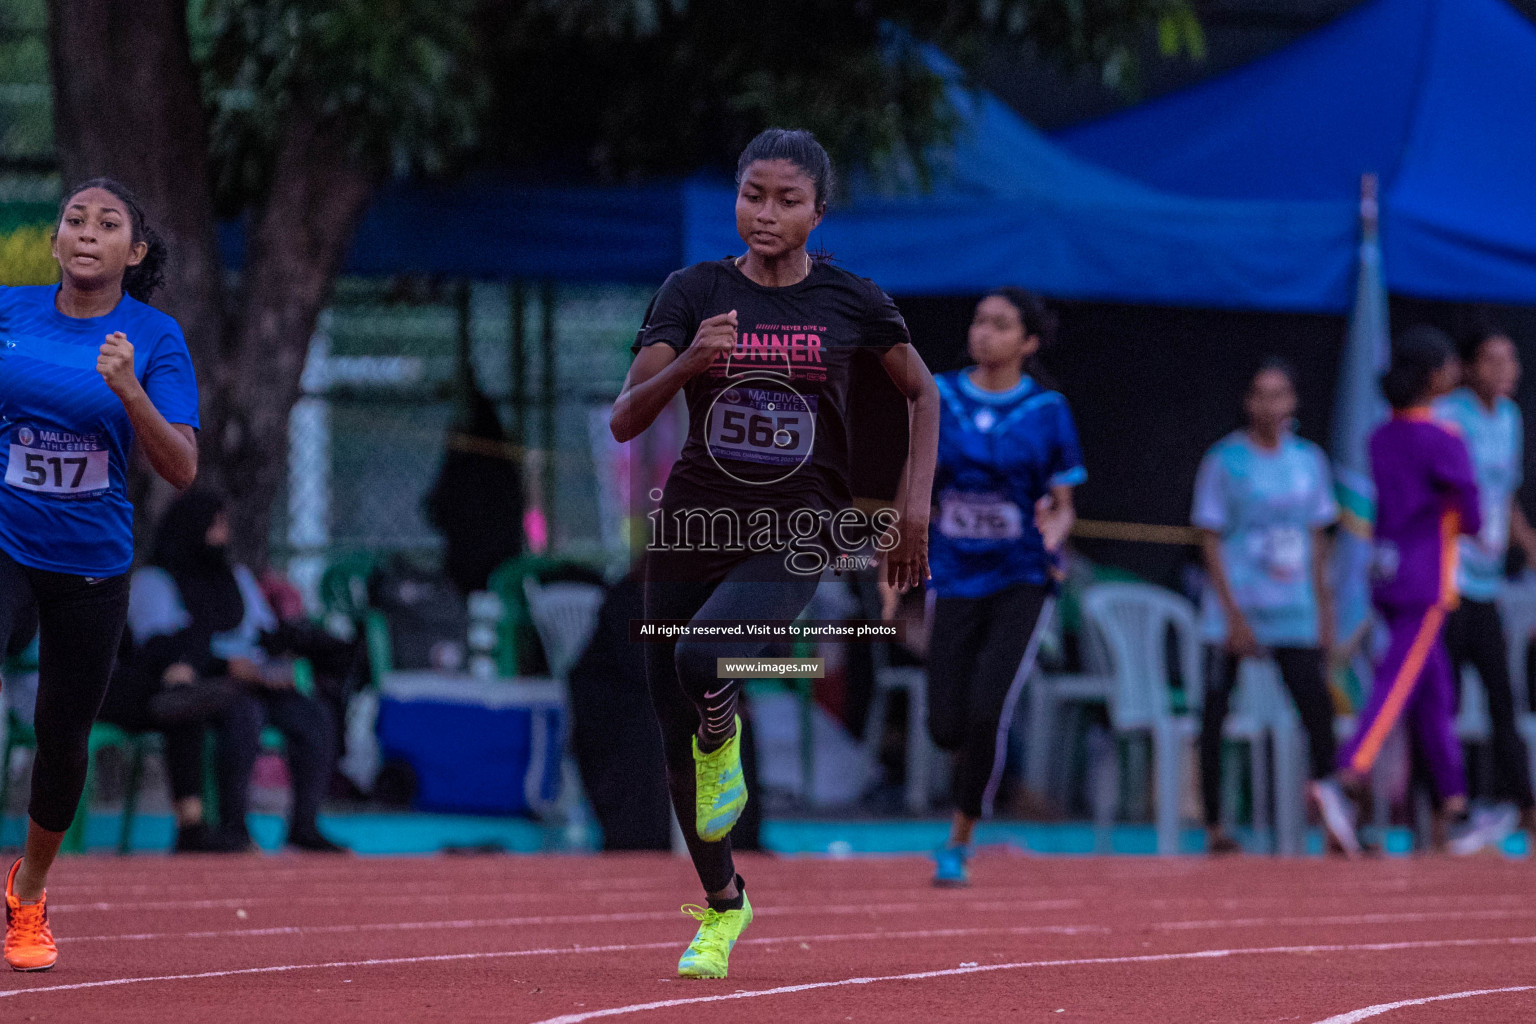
949	867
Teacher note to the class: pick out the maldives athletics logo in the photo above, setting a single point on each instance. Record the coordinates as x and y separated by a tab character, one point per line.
25	437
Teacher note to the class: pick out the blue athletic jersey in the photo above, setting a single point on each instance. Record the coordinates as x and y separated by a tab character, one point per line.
65	437
1265	505
999	453
1496	441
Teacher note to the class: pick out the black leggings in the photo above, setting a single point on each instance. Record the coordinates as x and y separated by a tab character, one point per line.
1302	670
80	620
182	714
681	674
1474	633
308	736
981	651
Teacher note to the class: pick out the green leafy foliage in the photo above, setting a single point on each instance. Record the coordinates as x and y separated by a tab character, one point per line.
629	88
26	256
401	79
26	116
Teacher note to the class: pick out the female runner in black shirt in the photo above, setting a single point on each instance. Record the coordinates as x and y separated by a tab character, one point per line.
762	347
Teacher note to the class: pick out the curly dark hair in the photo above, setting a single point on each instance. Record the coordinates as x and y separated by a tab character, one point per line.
141	281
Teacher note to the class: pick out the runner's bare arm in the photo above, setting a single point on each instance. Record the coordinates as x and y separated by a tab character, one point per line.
1055	513
1322	587
907	564
660	371
171	447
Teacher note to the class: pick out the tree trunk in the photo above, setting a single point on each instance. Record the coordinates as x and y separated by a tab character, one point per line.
127	105
295	249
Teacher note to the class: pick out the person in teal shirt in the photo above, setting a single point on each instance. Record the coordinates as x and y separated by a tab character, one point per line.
1263	498
1483	412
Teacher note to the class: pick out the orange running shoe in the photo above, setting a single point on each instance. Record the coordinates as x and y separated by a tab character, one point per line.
29	944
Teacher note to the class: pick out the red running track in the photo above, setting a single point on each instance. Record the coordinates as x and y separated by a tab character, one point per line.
535	939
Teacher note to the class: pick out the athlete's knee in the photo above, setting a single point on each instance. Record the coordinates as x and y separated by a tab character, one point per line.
695	668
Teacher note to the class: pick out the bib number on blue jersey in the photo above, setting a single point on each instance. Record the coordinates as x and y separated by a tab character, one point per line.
774	428
979	517
64	471
1282	551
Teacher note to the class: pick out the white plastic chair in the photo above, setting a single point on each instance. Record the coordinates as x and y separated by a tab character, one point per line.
922	755
1519	615
1263	717
564	615
1472	722
1049	694
1131	623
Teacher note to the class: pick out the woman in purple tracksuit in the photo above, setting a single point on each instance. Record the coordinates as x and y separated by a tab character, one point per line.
1426	497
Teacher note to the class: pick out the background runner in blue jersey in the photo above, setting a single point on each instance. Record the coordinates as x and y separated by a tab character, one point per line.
1008	460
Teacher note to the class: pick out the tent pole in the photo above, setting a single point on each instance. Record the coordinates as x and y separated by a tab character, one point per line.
517	361
547	403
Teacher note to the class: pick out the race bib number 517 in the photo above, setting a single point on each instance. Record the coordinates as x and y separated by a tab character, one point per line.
64	465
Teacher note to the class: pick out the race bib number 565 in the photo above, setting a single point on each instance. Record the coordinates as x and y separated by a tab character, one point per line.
56	463
775	428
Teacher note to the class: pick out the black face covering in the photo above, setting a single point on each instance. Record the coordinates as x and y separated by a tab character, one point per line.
202	572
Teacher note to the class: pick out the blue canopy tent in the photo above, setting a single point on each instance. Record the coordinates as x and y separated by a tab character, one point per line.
1008	206
1435	96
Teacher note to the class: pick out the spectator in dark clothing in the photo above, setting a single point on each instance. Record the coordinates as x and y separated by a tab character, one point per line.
181	706
477	501
340	666
197	618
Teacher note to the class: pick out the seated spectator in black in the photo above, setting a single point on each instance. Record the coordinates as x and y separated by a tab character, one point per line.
340	667
174	700
195	609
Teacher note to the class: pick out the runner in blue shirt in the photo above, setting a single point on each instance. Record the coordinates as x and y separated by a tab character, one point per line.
86	368
1263	498
1484	413
1008	460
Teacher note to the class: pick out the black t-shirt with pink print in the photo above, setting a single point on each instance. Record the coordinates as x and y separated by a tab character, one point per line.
768	425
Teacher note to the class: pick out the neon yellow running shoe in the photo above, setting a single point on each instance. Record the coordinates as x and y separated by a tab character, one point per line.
720	790
709	954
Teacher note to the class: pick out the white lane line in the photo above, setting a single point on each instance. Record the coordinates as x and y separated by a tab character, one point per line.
662	892
849	909
514	897
1151	958
1206	954
927	933
1416	917
1374	1011
1036	929
659	915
